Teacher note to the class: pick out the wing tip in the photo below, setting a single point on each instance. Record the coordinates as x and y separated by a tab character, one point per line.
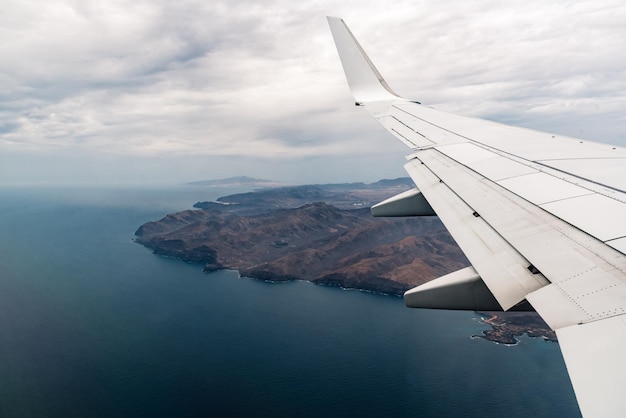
365	81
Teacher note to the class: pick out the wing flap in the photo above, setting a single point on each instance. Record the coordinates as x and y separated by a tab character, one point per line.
500	266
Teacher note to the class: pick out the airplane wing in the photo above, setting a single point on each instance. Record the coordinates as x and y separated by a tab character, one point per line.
541	218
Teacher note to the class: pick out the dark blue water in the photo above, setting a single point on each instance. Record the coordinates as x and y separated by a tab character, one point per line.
93	325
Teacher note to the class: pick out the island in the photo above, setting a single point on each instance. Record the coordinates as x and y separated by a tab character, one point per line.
237	181
323	234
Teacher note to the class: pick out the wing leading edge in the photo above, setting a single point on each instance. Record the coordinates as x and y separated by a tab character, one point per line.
539	216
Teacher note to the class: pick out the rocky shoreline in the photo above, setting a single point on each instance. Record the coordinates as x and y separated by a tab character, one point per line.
319	233
316	242
507	327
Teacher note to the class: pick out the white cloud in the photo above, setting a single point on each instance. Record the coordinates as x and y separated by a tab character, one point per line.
185	79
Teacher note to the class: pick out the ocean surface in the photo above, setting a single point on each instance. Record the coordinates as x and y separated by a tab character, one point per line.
94	325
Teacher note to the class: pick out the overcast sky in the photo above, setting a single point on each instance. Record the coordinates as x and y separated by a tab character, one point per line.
138	92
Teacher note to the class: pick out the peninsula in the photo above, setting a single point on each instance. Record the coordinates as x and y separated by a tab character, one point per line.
320	233
324	234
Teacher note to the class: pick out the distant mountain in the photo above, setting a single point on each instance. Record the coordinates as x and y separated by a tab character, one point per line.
342	196
239	181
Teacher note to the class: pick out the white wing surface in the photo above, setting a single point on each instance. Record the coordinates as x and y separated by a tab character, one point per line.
541	217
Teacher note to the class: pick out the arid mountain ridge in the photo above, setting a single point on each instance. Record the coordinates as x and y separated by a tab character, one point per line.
321	233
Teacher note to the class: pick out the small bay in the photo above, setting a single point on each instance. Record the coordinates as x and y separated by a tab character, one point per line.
94	325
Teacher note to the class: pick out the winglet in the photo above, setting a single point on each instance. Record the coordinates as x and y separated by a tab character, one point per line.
366	83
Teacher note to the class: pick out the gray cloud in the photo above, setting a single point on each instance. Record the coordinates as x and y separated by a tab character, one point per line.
237	81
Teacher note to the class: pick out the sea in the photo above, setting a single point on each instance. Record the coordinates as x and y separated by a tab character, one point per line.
94	325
